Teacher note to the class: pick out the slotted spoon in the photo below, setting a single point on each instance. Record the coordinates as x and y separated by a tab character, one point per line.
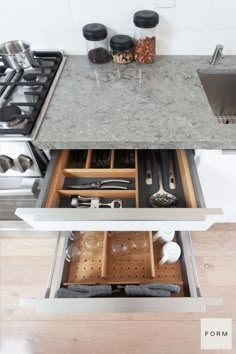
162	199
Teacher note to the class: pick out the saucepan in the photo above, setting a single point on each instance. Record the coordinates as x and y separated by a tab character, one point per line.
16	54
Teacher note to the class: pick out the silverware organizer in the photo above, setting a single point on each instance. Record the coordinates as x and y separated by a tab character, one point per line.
79	166
145	191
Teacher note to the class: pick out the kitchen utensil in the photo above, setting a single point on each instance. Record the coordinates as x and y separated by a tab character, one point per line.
83	202
106	157
170	253
152	290
162	199
126	158
83	291
16	54
172	180
101	158
101	184
99	162
148	168
163	236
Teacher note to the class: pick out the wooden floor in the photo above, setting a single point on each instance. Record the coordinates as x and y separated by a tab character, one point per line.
25	262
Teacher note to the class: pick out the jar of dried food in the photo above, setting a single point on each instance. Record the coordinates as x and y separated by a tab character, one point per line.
122	48
145	36
96	42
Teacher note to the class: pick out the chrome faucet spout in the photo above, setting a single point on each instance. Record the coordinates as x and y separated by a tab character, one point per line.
217	55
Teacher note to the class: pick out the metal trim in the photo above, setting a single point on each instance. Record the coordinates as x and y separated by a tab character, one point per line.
47	179
121	305
195	179
52	270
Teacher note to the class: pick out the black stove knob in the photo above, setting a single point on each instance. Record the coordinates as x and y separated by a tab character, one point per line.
5	163
23	163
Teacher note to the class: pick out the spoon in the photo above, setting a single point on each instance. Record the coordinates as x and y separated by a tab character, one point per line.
162	199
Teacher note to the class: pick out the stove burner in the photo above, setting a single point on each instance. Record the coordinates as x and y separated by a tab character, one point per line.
7	112
7	119
30	77
23	94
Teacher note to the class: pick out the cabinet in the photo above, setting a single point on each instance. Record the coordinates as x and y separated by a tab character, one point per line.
54	213
217	175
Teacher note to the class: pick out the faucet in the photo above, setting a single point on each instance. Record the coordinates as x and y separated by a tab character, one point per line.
217	55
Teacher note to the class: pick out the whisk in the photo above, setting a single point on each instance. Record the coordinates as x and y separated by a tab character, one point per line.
162	199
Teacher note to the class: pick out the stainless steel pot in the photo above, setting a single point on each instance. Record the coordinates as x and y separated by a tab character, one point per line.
16	54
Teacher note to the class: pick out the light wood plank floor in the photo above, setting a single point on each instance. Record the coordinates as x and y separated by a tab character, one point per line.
25	263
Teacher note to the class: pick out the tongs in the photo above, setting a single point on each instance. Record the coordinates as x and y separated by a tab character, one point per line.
83	202
101	184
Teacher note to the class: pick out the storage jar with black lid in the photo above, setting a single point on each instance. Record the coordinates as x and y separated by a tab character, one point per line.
96	43
145	36
122	48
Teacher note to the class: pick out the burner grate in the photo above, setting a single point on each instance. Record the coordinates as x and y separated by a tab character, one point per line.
35	92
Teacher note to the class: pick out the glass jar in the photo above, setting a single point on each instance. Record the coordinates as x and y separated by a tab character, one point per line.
122	49
96	43
145	36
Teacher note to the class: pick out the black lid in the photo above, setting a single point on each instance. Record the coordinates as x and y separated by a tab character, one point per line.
146	19
95	32
121	42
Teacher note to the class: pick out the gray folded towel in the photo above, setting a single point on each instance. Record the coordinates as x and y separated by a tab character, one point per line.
84	291
170	287
152	290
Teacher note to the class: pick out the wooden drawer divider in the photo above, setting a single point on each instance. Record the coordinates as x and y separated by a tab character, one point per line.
64	171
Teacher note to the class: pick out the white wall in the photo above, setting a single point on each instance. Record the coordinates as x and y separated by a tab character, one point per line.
192	27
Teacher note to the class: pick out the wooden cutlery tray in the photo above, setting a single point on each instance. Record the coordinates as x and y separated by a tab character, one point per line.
103	266
71	172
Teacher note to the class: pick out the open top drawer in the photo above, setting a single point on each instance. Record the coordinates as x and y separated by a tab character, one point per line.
72	168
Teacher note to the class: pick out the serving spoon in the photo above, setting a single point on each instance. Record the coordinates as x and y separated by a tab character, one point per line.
162	199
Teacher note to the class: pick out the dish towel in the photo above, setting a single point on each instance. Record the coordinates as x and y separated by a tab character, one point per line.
84	291
152	290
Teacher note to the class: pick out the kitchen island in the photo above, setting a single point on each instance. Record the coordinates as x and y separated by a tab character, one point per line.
161	105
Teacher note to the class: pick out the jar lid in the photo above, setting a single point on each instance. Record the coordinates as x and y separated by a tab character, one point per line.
95	32
146	19
121	42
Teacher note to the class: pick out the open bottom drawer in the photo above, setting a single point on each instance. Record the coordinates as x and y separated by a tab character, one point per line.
182	273
54	212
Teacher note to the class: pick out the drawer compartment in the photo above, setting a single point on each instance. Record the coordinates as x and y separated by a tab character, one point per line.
120	258
112	258
98	166
137	193
72	168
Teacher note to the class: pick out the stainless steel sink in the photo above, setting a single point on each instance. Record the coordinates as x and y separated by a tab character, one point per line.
220	89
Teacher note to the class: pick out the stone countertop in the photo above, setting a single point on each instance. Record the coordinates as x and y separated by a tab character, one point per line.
161	105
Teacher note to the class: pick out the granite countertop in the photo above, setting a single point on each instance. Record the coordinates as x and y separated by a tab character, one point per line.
161	105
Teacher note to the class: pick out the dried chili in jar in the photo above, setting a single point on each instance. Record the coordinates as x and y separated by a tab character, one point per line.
145	36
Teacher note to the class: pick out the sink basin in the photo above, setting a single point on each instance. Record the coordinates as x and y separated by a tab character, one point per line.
220	89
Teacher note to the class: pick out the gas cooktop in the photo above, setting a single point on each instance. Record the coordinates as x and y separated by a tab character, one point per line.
25	95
